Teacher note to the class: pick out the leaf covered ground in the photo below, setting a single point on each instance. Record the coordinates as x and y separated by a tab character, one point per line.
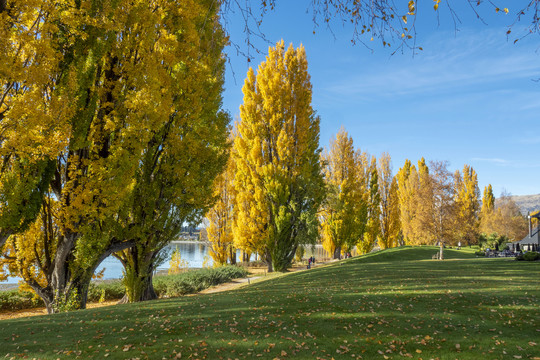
395	304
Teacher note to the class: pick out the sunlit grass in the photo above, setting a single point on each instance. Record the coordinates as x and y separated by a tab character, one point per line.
395	304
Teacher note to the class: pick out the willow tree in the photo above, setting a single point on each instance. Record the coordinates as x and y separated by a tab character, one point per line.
345	196
278	175
99	122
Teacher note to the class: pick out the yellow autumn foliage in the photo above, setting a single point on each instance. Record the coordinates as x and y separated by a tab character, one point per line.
278	180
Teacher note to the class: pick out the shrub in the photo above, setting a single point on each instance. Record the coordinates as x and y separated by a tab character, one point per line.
18	300
196	280
531	256
480	253
165	286
106	291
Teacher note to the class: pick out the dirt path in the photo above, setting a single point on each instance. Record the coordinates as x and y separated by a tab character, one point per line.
258	272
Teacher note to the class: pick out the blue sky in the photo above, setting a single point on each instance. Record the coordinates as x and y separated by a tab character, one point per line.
468	97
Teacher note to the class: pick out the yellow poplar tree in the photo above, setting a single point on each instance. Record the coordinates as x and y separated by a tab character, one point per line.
339	211
416	203
395	235
486	212
373	225
406	199
30	65
389	215
467	205
173	182
278	179
220	217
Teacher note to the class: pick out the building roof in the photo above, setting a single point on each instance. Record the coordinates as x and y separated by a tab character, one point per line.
534	239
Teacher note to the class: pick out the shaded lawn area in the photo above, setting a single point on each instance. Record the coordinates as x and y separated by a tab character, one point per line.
395	304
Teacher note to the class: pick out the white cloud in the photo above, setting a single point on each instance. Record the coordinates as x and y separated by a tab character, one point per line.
492	160
508	163
448	67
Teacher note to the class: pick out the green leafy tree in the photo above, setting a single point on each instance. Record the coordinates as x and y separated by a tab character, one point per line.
279	183
373	226
91	116
467	205
339	212
486	211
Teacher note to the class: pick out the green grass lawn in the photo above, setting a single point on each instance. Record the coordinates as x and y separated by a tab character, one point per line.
393	304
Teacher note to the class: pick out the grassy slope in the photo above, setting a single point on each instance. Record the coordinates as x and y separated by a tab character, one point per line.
394	304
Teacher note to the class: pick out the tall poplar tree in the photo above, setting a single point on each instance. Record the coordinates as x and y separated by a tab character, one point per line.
373	225
389	214
173	183
339	211
467	204
486	211
279	178
221	215
395	234
407	188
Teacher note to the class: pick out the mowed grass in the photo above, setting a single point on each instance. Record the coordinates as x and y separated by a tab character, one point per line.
395	304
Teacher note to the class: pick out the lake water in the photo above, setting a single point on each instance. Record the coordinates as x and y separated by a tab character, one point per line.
191	251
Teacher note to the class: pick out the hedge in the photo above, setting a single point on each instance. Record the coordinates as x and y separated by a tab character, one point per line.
165	286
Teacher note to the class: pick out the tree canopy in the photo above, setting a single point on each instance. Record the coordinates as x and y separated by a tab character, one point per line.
103	112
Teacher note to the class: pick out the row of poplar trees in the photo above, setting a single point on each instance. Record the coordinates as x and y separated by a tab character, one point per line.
280	191
111	134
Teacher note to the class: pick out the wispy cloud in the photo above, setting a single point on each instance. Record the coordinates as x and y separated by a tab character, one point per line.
530	141
453	66
508	163
492	160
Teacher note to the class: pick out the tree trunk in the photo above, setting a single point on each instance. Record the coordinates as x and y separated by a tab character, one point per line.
441	244
142	289
68	291
268	260
337	253
138	274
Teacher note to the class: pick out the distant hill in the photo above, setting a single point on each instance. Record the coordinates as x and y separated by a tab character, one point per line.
527	203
